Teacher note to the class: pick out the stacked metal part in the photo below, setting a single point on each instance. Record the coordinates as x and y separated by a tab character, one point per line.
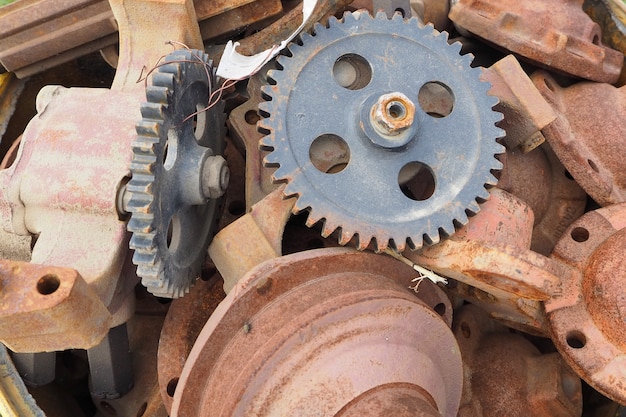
416	209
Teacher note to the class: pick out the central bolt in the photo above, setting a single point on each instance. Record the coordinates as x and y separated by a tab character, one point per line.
392	114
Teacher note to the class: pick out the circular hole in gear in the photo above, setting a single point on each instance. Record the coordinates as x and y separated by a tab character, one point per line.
251	117
352	71
576	340
416	181
329	153
48	284
170	150
580	234
436	99
173	234
199	121
171	386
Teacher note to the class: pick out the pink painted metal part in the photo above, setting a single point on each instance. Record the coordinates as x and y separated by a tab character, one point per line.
318	333
505	375
587	316
590	144
556	34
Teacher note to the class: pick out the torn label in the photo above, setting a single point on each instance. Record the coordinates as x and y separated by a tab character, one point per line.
234	66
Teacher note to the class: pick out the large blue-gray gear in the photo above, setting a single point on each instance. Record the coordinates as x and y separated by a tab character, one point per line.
318	106
171	221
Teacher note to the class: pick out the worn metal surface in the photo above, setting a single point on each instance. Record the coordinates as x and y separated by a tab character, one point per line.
504	374
525	111
15	401
38	306
184	321
556	34
309	332
334	166
39	34
611	16
541	181
587	315
263	228
591	145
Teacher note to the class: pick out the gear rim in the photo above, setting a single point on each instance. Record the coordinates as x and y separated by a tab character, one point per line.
171	232
292	160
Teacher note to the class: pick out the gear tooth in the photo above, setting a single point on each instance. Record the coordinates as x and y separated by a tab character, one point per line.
271	159
482	195
264	107
461	220
414	244
300	205
162	79
328	228
282	175
362	242
305	37
148	131
155	94
266	143
347	18
267	89
399	245
311	219
318	27
152	111
345	237
381	15
473	207
431	239
333	21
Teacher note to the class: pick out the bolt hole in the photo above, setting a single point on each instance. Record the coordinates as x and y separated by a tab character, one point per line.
237	208
142	409
440	309
252	117
48	284
465	330
396	110
401	11
329	154
416	181
596	39
199	121
580	234
568	175
352	71
576	340
436	99
593	165
170	150
171	386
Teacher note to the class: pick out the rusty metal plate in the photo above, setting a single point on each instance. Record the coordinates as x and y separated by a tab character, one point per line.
587	317
314	332
552	33
39	305
507	375
590	144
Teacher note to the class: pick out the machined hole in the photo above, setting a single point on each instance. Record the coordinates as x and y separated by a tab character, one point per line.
173	234
48	284
252	117
576	339
416	181
171	386
396	110
401	11
580	234
170	150
329	153
352	71
436	99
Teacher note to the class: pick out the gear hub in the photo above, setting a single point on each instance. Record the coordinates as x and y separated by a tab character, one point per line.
382	130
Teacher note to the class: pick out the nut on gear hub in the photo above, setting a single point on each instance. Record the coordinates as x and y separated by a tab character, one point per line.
382	130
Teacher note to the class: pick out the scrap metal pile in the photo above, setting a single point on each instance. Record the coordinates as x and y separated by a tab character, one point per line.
359	208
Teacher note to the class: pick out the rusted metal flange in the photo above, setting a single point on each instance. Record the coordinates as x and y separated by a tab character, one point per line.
317	333
590	144
552	33
529	383
588	316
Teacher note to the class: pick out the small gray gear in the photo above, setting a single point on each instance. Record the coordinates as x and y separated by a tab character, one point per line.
382	130
172	219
